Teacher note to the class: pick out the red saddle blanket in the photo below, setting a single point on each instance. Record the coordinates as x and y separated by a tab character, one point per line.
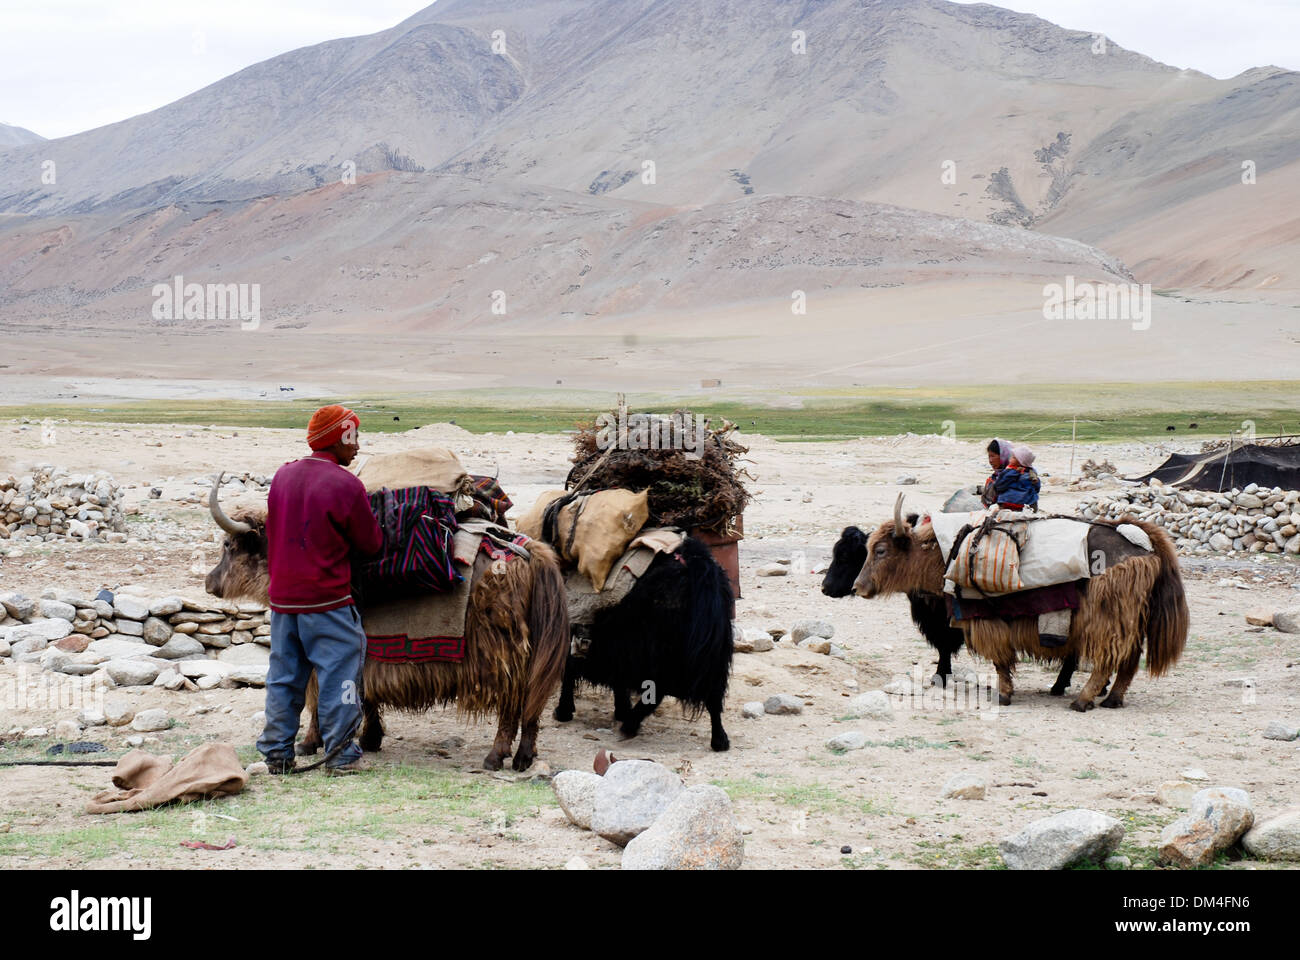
430	628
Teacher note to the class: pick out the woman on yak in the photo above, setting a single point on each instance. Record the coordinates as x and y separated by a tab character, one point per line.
317	514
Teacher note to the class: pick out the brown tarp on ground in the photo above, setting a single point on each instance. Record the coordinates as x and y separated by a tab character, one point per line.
144	780
1268	466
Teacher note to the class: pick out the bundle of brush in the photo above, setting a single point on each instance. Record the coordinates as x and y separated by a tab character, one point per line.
689	467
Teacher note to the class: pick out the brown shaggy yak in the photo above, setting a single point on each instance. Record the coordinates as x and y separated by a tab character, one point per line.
516	643
1138	597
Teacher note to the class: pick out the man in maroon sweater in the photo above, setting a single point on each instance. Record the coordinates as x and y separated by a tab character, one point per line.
317	514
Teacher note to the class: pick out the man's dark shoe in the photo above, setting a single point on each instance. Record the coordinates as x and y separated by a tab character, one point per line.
280	765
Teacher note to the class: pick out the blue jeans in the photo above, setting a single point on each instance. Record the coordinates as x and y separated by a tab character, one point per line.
333	643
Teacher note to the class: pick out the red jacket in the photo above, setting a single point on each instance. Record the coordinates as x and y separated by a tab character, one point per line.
317	512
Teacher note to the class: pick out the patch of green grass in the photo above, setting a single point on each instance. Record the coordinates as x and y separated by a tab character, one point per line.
1107	411
308	812
952	853
914	743
1087	775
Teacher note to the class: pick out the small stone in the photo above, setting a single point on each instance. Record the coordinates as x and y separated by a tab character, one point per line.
92	718
166	606
56	609
132	673
67	730
130	628
782	703
131	608
257	768
872	705
118	713
151	721
576	792
1260	618
772	570
1176	793
35	733
156	632
1194	773
964	786
753	710
846	849
812	628
576	863
135	740
1280	731
179	647
852	740
1118	861
816	645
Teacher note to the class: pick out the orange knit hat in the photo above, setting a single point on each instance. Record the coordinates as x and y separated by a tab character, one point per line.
328	424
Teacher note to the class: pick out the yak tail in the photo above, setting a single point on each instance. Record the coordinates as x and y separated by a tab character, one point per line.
1167	617
548	629
709	635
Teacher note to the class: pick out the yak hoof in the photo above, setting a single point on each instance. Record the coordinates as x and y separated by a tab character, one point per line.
493	762
1058	690
629	729
1004	700
370	744
306	748
563	715
720	743
523	761
939	680
1113	702
1081	706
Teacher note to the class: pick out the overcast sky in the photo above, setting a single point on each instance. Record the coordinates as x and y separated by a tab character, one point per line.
70	65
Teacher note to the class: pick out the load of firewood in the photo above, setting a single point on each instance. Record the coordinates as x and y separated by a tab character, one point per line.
689	464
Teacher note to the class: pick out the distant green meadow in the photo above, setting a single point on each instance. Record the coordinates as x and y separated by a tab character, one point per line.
1038	413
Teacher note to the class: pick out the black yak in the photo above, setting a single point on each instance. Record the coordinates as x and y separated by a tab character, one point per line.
671	636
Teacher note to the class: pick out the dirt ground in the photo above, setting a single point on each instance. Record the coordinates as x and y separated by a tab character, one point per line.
427	803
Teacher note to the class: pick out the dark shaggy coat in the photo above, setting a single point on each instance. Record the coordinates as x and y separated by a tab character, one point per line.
671	636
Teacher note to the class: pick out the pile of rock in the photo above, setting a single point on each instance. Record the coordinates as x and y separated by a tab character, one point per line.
1252	520
812	635
51	503
662	824
132	641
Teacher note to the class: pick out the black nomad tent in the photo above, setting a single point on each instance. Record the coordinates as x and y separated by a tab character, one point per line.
1227	468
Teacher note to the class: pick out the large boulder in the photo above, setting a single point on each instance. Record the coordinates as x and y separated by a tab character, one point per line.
1216	819
630	797
698	831
1277	838
247	654
1059	841
576	792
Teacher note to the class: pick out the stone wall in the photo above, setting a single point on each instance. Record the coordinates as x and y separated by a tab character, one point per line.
132	641
1252	520
51	503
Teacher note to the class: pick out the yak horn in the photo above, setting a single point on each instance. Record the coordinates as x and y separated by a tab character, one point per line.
900	528
231	527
